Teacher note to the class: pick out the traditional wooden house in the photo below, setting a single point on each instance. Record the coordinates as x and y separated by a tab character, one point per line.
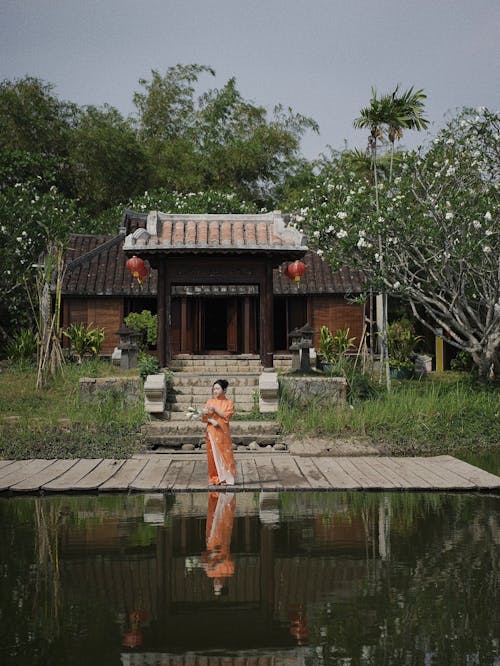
217	282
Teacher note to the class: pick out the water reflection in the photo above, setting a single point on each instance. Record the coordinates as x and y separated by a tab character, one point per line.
216	559
250	579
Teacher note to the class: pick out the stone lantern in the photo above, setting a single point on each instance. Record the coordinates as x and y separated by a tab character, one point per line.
305	342
129	346
294	337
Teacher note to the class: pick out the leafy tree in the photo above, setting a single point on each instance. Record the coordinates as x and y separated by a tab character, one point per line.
166	108
29	218
242	149
20	166
218	141
439	222
108	162
33	119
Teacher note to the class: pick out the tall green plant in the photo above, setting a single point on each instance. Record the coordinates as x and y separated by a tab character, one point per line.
84	339
21	348
402	343
342	342
326	345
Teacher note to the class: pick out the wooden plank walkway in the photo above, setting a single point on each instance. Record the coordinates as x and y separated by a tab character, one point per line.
188	473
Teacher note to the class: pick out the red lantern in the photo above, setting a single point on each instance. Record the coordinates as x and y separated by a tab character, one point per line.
137	267
296	270
132	639
298	628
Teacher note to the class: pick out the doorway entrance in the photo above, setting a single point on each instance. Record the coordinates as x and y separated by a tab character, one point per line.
215	325
214	312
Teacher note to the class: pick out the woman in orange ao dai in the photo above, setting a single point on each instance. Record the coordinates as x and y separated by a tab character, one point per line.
217	414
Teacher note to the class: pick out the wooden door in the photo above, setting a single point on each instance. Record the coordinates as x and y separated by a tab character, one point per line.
232	325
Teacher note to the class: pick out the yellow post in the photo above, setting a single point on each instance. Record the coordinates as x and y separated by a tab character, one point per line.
439	354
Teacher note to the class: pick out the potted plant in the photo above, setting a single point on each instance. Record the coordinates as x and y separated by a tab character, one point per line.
333	348
326	349
402	344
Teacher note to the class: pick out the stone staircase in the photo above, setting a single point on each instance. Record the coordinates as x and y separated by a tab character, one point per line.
193	377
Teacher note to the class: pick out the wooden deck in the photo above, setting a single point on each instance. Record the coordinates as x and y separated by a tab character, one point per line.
188	473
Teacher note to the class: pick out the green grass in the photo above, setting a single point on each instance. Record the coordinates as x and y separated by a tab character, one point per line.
443	414
427	417
51	423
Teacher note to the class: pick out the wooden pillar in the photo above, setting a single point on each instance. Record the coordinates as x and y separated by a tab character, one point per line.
246	325
267	584
439	351
160	300
168	317
184	326
266	318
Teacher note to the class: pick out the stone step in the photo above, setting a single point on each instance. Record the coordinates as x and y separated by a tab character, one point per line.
176	442
215	364
189	427
180	415
190	397
179	393
241	406
207	379
188	434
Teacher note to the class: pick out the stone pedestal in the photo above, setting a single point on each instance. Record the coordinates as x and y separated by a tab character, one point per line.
155	393
268	392
116	356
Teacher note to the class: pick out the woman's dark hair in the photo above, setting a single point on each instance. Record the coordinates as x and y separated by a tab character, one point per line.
222	383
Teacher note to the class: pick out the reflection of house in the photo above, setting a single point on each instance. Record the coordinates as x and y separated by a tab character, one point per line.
216	283
277	571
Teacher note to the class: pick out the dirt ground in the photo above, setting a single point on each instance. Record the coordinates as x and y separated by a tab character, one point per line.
317	446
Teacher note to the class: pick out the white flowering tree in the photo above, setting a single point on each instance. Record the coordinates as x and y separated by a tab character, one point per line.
30	219
170	201
439	222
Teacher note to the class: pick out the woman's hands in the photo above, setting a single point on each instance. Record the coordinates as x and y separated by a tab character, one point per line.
214	410
213	422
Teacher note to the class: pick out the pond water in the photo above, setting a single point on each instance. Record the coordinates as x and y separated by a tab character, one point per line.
250	579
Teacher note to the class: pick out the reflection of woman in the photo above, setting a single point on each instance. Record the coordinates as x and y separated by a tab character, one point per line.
217	558
216	414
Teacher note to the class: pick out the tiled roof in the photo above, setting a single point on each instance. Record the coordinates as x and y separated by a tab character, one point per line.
319	278
95	265
212	233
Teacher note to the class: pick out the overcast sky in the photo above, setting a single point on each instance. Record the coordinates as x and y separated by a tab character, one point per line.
319	57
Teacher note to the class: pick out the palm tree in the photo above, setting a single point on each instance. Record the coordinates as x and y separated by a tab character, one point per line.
390	113
407	114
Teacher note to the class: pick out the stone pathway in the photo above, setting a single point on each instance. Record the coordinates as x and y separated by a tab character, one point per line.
188	472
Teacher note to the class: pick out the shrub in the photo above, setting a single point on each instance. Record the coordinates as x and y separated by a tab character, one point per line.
145	323
21	348
147	364
462	362
84	340
402	343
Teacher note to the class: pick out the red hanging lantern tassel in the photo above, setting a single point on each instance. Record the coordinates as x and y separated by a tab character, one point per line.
296	270
137	267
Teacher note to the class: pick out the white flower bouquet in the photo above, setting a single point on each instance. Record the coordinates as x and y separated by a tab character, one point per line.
194	413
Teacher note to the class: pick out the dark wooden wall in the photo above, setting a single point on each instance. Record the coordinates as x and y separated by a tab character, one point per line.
104	311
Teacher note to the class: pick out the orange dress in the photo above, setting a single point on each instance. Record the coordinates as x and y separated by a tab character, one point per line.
221	467
220	517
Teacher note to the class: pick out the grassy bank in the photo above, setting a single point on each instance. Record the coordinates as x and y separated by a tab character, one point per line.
53	424
447	414
442	414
